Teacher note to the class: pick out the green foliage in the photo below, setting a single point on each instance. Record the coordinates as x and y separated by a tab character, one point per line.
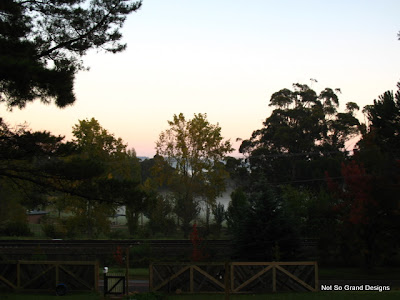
49	230
307	209
13	219
28	162
115	180
260	227
160	215
141	255
15	228
118	234
238	171
194	149
95	141
42	42
238	207
89	177
219	217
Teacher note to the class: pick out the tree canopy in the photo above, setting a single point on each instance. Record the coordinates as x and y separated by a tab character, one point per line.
384	118
42	42
303	127
195	149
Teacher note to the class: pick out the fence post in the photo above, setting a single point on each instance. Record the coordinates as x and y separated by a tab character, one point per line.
151	277
18	274
227	276
232	276
191	278
273	277
57	273
96	276
127	272
316	276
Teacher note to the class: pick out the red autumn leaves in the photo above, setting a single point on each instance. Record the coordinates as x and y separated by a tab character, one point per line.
355	201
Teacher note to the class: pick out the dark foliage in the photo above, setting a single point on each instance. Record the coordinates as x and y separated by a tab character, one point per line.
261	230
42	42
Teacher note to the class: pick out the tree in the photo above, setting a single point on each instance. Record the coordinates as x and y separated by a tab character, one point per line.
366	201
219	217
261	229
159	213
366	210
13	219
302	136
194	148
42	42
136	198
384	122
117	184
29	160
95	141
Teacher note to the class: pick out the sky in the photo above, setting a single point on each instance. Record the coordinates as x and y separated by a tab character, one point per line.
226	58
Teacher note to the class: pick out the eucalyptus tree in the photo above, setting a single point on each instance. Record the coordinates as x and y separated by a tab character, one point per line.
303	131
195	150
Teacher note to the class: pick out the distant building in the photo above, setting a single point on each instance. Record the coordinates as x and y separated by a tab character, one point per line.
34	216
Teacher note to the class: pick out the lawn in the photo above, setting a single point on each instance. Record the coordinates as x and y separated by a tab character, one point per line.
278	296
295	296
24	296
359	273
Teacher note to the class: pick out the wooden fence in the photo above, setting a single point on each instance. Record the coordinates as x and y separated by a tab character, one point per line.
46	275
235	277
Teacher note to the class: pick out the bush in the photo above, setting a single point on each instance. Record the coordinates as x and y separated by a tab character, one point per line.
54	230
141	255
118	234
16	228
49	230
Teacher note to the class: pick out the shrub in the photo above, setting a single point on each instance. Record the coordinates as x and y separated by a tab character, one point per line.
16	228
141	255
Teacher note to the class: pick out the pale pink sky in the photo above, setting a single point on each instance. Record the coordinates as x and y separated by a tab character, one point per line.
226	58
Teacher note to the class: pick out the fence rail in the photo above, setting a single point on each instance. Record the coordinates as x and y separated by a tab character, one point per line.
234	277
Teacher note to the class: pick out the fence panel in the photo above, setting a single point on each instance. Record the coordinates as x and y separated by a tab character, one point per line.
273	276
189	278
8	274
46	275
237	277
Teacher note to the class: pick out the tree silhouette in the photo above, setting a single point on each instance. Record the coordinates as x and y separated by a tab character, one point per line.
42	42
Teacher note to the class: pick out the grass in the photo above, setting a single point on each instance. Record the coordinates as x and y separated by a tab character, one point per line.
359	273
25	296
277	296
295	296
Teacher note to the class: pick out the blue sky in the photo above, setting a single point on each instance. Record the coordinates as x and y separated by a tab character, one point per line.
226	58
